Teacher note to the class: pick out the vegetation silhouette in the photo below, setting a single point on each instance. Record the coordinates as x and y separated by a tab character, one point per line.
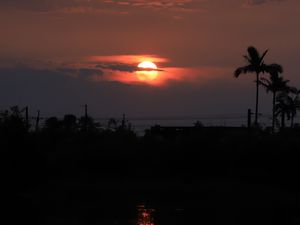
74	170
287	105
275	84
257	65
52	124
12	122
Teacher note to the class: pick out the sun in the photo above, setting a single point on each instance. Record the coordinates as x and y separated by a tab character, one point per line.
147	71
147	65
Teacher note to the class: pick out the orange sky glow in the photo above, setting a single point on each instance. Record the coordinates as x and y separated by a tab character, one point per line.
158	77
161	77
88	52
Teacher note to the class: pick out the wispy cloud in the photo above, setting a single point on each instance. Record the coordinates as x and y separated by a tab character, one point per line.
127	58
101	6
260	2
80	72
123	69
117	66
178	8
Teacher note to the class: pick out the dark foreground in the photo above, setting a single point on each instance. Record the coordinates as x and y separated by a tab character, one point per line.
202	177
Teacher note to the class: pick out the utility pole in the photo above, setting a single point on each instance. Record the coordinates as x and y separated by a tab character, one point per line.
249	118
86	117
37	121
282	120
86	111
26	118
123	121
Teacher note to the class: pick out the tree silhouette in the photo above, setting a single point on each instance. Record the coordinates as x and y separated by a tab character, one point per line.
12	122
52	124
88	124
70	123
112	124
288	104
256	65
274	84
294	104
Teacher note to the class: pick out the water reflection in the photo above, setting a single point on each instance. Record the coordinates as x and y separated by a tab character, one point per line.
145	215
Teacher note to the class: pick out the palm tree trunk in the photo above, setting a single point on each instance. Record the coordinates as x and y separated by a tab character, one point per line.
273	111
292	121
256	103
282	120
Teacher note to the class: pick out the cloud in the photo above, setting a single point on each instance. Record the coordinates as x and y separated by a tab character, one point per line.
80	72
100	6
67	70
123	69
116	7
259	2
117	66
86	72
126	59
40	5
79	69
73	69
156	4
165	76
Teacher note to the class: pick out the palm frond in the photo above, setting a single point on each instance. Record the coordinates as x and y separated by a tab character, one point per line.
253	53
273	68
238	72
265	80
265	83
244	69
281	96
247	58
294	90
277	67
278	109
265	68
275	83
263	56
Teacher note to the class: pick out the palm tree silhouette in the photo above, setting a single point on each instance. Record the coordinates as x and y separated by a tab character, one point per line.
256	65
289	104
274	84
282	108
294	104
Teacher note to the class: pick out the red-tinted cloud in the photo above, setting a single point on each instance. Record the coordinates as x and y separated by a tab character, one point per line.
123	69
260	2
100	6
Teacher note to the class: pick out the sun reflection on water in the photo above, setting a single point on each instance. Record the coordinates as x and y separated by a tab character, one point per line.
145	215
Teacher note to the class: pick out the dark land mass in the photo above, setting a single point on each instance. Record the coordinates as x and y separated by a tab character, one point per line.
189	176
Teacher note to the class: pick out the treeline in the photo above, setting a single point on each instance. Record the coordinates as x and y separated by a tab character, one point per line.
285	98
15	122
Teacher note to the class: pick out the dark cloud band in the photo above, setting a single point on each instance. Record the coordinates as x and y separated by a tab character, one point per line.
260	2
97	5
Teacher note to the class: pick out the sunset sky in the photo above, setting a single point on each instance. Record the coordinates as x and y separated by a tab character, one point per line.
57	55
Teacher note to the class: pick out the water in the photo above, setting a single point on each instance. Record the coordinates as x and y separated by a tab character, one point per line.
140	124
145	215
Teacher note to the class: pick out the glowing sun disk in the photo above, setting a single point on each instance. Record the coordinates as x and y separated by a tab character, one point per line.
147	65
148	71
